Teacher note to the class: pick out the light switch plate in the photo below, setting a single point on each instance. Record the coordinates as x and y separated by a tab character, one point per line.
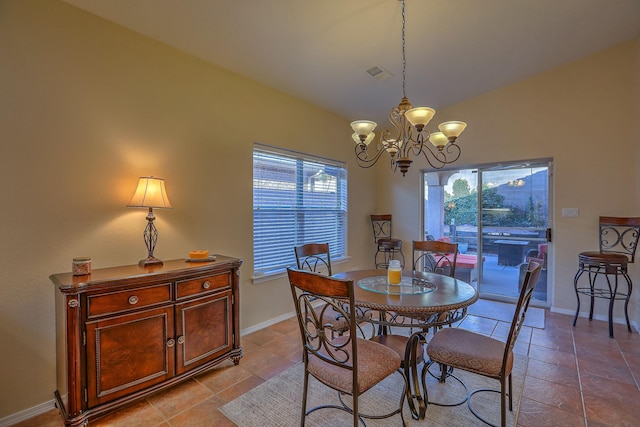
570	212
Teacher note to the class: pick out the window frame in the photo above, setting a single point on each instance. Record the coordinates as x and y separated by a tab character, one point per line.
303	196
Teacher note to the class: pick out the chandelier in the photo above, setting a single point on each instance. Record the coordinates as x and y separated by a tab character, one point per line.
410	138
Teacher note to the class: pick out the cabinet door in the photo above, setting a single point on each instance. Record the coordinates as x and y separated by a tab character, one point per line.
129	353
203	330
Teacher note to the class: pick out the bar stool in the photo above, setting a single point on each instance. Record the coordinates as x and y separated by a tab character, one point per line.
618	242
388	248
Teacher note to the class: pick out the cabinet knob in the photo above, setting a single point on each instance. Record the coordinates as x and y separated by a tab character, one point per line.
206	285
133	299
181	339
171	342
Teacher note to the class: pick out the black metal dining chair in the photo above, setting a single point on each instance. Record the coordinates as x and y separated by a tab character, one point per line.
316	257
480	354
349	364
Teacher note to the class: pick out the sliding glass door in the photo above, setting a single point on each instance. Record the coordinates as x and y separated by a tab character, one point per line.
499	216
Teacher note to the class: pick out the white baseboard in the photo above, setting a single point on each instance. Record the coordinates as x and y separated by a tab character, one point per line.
605	318
27	413
267	323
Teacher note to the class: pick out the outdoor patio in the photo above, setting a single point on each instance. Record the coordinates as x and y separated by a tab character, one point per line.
503	280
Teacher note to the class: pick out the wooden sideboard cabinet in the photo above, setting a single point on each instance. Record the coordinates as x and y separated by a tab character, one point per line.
126	332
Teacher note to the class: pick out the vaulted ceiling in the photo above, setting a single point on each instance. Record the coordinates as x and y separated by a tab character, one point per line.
321	50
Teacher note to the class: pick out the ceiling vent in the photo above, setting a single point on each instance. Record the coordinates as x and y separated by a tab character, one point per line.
378	73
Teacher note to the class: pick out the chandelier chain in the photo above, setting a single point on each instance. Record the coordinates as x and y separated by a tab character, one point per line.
404	57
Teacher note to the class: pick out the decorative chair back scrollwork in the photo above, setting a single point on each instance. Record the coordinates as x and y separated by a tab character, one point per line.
314	257
618	241
348	364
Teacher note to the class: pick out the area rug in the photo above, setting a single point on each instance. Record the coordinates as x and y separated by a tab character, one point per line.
277	402
504	312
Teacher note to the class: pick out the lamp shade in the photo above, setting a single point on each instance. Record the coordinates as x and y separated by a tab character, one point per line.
150	194
420	116
363	127
438	139
452	129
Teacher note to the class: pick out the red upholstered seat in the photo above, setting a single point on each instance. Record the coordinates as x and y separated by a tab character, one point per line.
464	261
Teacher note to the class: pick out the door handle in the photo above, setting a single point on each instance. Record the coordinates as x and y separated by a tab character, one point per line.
549	235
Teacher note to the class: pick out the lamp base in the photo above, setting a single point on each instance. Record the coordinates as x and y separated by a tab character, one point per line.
150	261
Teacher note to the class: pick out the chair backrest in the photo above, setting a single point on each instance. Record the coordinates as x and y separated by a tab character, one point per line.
381	226
435	256
530	279
314	257
619	235
306	289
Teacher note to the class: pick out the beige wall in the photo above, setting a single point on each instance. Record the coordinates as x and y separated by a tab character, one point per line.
85	108
585	116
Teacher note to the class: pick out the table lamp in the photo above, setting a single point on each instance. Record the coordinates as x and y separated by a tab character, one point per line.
150	194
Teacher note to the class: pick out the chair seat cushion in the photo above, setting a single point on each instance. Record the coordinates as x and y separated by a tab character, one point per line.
386	243
596	258
375	363
469	351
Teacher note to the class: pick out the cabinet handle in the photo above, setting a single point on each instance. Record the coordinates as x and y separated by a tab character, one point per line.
171	342
206	285
133	300
181	339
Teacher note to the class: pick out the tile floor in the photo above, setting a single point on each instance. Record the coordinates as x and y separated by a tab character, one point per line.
576	377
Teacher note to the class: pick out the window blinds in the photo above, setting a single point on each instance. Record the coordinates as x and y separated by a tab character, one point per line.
297	199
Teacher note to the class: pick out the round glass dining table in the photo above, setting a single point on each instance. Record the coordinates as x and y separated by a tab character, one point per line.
421	301
418	293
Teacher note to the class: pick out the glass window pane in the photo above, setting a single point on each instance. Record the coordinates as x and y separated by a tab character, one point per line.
297	199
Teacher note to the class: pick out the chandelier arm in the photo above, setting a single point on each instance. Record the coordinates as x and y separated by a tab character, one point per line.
362	156
396	119
414	143
438	159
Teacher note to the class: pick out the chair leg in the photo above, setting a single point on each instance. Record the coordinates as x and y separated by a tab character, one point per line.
443	372
626	302
304	398
612	300
575	285
510	394
356	419
503	403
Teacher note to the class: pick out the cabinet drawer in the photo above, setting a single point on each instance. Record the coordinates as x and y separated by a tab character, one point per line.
203	285
130	299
